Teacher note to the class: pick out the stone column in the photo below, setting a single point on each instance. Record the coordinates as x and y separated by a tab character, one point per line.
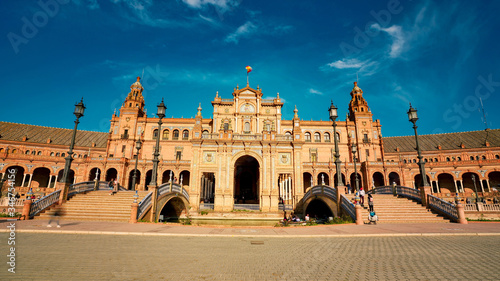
24	178
461	214
26	209
456	187
50	180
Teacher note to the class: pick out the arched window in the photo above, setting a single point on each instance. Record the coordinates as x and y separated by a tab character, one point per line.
165	134
27	152
246	128
14	150
317	137
85	156
497	156
39	153
448	159
459	158
483	157
63	154
155	133
1	149
33	152
404	161
204	134
185	135
326	136
175	135
58	154
337	135
435	160
414	160
425	160
52	154
477	157
472	158
308	136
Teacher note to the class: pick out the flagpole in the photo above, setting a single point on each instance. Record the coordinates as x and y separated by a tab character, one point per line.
247	78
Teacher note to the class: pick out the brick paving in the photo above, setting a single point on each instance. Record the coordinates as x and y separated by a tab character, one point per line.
51	256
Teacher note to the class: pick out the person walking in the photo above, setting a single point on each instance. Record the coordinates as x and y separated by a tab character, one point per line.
370	202
362	196
55	217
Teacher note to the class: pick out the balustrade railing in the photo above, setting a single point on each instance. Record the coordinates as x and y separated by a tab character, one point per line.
80	187
252	207
284	138
407	192
44	203
443	207
144	205
321	189
491	207
381	190
5	201
206	206
247	137
285	207
348	207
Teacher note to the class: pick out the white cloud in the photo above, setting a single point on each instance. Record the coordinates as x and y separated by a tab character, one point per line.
316	92
346	63
222	5
398	40
242	31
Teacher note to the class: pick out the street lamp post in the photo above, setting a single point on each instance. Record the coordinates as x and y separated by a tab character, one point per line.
153	184
354	150
138	147
79	110
333	117
412	116
475	187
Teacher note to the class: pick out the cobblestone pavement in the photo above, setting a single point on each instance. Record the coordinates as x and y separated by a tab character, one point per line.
47	256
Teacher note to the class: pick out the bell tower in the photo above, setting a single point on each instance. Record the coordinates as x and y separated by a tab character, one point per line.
358	107
134	101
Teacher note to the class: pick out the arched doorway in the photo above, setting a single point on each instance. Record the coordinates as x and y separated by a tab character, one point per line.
494	178
40	177
131	179
468	184
184	177
149	176
394	178
71	176
336	181
418	181
93	174
318	209
353	181
323	179
19	176
173	210
306	179
166	176
111	174
246	180
446	183
378	179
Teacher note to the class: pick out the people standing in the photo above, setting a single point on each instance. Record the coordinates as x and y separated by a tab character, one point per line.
348	189
370	202
362	196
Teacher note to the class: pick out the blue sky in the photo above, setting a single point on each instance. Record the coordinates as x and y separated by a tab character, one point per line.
441	56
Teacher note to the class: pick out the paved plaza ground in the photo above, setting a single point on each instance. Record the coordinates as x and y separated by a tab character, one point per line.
118	251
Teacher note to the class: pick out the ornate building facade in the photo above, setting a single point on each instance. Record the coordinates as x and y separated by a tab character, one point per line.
247	153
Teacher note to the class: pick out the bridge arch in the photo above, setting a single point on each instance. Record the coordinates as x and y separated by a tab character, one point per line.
319	200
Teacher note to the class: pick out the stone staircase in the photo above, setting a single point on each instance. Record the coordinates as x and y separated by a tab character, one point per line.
96	206
391	209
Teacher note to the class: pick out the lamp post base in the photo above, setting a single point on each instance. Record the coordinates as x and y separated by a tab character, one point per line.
424	191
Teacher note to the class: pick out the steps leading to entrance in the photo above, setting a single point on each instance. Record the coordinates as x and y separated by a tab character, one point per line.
391	209
96	206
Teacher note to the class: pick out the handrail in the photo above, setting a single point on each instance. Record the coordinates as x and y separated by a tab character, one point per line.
80	187
321	189
144	205
44	203
387	189
408	192
348	206
441	206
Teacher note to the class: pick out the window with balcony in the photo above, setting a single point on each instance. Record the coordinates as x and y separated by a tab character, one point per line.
175	135
326	136
185	135
165	134
308	136
317	137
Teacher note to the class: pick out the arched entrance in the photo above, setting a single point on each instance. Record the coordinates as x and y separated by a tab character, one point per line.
468	183
131	178
306	179
418	180
93	174
166	176
19	176
394	178
336	181
446	183
323	179
318	209
71	175
149	176
494	178
40	177
184	177
246	180
172	210
111	174
378	179
353	181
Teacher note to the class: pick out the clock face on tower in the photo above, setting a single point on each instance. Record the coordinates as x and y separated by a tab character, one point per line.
247	108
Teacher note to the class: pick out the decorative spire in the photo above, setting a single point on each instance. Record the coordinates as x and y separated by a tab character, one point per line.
278	97
217	94
199	110
295	111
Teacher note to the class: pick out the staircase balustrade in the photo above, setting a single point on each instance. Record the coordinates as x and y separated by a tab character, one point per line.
144	205
381	190
44	203
348	207
407	192
321	189
443	207
80	187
